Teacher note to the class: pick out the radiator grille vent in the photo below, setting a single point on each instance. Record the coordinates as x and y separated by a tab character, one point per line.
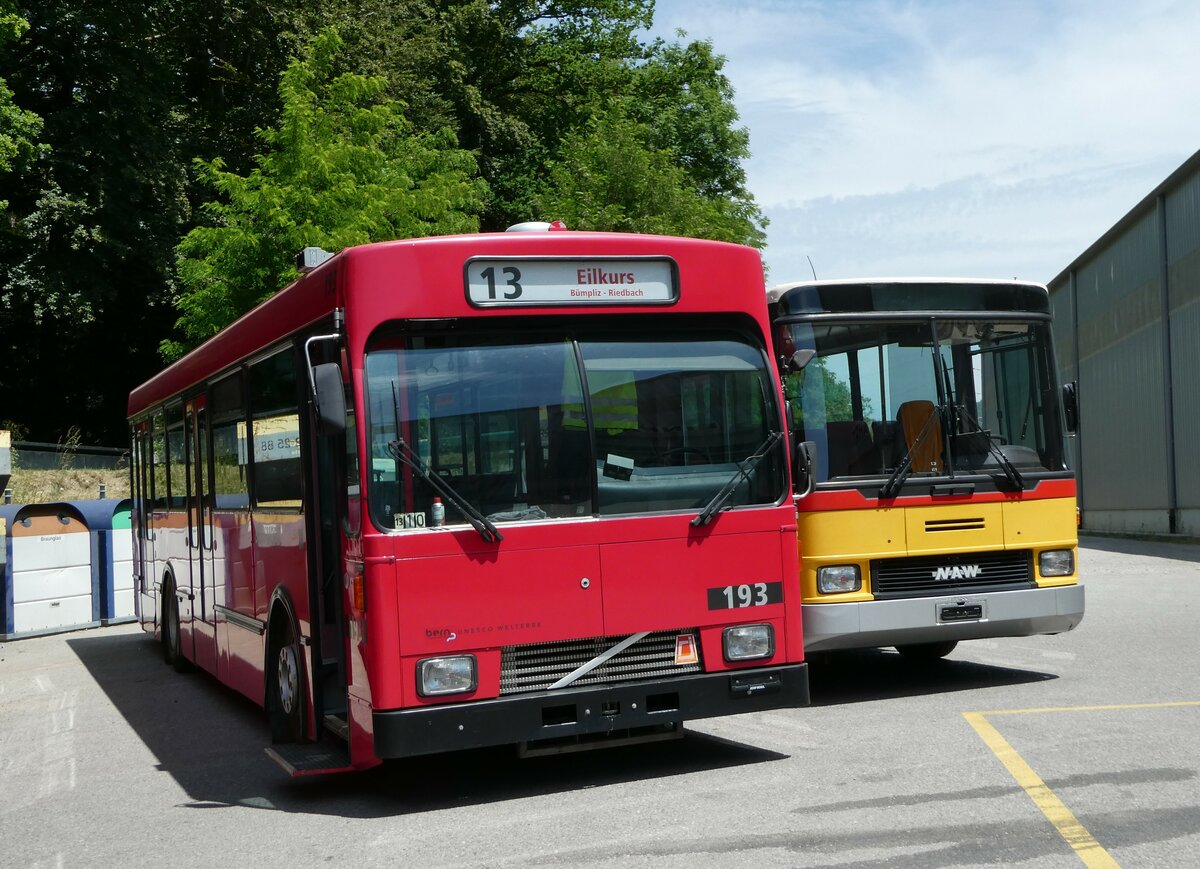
537	666
975	524
947	574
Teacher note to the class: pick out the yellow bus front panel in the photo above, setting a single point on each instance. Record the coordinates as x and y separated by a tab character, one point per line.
934	573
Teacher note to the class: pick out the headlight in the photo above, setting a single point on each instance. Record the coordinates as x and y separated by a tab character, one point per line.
1057	562
748	642
437	676
840	577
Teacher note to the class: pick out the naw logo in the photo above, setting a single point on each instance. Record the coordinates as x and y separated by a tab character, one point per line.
958	571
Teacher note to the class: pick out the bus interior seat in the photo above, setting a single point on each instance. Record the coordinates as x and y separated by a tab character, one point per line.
913	417
851	448
888	442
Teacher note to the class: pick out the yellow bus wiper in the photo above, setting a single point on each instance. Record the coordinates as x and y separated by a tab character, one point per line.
893	483
1010	470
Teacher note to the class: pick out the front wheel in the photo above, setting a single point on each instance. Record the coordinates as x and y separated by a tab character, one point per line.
172	652
286	705
925	652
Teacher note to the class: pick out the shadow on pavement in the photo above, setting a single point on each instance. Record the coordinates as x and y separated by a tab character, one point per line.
858	675
1187	549
211	741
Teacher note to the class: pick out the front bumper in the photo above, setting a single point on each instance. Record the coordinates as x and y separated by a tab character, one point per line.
916	620
549	715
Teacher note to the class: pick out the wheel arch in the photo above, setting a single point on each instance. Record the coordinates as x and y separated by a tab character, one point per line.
167	585
281	614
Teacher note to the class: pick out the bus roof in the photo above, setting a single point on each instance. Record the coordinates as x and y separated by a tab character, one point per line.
908	295
425	279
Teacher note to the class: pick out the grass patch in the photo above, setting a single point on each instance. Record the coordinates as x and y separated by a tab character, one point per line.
74	484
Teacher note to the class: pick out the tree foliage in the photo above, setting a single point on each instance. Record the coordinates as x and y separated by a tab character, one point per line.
665	159
536	87
163	161
19	128
610	177
85	251
344	167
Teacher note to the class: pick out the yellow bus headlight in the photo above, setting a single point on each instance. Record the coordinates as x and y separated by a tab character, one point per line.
838	578
1057	562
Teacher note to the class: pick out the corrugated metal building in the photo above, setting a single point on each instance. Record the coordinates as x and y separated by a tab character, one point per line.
1127	327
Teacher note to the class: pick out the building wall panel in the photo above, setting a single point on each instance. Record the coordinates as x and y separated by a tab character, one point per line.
1139	443
1121	351
1183	282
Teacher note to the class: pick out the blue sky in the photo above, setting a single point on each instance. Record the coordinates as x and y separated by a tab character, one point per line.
975	139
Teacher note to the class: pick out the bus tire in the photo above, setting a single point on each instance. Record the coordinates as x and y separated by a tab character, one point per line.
172	652
925	652
285	699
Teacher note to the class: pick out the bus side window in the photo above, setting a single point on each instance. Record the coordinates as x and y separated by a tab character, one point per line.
176	459
158	465
275	432
227	410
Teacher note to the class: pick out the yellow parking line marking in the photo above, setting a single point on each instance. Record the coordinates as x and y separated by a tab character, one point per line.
1076	835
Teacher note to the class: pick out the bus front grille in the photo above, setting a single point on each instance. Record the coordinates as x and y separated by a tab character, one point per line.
537	666
927	575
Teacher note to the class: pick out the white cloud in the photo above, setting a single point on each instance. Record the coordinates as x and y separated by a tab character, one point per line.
1001	137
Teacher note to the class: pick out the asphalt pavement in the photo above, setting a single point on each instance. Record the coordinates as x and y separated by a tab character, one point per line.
1041	751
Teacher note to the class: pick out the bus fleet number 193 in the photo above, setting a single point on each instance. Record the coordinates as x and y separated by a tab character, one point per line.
747	594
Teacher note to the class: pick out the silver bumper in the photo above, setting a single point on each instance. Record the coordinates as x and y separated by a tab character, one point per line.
924	620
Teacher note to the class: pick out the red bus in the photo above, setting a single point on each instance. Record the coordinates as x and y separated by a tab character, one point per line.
525	487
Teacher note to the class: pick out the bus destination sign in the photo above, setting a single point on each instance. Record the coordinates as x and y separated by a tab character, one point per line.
515	282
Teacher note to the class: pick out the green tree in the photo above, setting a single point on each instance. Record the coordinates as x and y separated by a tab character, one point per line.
533	75
684	100
828	399
19	128
128	94
513	77
229	56
86	246
343	167
552	91
611	177
838	404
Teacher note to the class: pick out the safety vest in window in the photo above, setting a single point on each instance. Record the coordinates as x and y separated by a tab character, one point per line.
614	408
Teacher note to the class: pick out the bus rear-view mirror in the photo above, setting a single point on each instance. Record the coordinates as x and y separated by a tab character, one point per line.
1070	400
329	398
799	359
804	466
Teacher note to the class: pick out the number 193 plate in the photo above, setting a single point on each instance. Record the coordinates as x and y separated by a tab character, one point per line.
748	594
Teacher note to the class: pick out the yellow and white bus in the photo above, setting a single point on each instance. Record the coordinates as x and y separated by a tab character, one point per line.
933	500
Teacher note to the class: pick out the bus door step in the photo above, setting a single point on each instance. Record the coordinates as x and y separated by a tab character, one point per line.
338	726
312	758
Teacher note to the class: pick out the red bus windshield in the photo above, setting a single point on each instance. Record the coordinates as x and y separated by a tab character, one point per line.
555	424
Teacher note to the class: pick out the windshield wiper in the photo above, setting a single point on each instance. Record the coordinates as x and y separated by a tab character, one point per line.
1010	470
402	452
743	471
893	483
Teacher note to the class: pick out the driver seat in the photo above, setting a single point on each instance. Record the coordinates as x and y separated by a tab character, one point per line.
913	417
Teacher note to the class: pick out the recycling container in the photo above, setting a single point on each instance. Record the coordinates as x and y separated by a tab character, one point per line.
47	584
108	521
